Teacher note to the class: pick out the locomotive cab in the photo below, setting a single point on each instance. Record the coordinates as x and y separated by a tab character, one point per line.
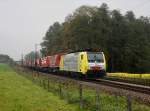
96	63
93	64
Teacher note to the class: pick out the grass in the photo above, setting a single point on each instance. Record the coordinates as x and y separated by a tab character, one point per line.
108	102
20	94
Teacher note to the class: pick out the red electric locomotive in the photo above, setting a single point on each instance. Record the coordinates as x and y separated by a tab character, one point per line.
49	63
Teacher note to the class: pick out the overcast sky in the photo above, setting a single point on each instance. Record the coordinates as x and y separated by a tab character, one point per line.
24	22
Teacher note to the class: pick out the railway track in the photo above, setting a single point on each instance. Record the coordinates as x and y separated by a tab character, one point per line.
139	93
145	82
116	84
123	85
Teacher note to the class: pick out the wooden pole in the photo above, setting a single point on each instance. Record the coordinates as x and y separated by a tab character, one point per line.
60	88
97	100
81	98
129	104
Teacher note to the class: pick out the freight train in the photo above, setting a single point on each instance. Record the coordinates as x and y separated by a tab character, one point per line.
82	63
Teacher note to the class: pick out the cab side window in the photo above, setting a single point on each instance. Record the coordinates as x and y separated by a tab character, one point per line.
81	57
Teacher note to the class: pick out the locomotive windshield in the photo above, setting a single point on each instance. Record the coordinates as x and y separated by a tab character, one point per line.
95	57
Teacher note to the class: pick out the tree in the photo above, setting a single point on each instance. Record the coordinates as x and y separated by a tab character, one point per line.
6	59
124	39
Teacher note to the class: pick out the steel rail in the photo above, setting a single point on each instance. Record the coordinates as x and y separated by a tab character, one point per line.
123	85
145	82
116	84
